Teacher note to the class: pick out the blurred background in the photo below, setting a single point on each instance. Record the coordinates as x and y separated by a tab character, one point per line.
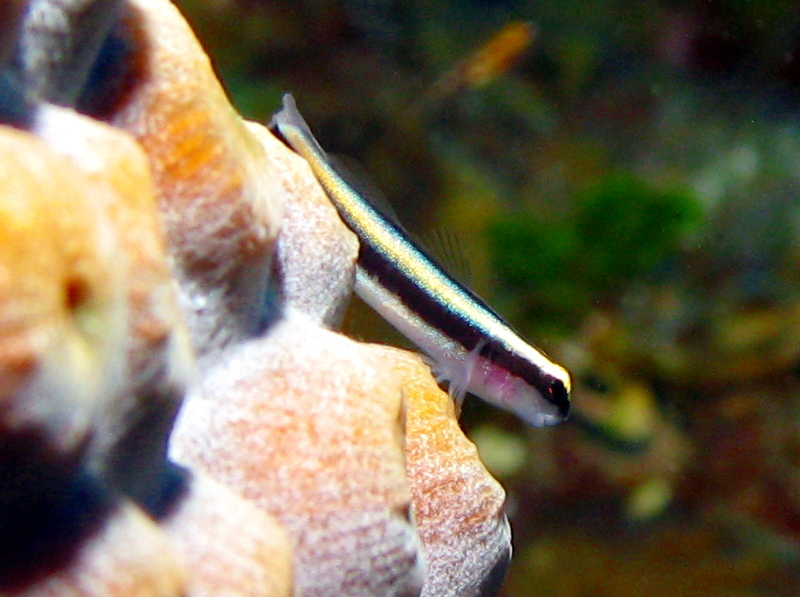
622	180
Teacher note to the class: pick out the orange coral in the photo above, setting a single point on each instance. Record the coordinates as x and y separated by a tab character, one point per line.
120	239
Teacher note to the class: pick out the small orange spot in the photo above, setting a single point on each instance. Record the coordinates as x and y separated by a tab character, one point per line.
491	60
499	54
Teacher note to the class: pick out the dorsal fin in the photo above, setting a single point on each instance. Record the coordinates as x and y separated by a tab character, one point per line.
441	244
447	249
358	178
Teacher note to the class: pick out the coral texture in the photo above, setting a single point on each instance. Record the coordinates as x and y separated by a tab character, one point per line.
163	258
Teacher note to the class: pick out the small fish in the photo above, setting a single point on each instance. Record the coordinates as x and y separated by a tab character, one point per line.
491	60
467	343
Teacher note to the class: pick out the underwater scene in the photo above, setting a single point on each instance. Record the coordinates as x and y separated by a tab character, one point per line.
621	182
232	363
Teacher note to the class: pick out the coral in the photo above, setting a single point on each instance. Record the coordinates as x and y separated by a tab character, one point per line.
458	505
163	258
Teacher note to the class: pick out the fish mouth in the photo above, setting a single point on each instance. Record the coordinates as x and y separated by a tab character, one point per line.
557	394
550	406
549	419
